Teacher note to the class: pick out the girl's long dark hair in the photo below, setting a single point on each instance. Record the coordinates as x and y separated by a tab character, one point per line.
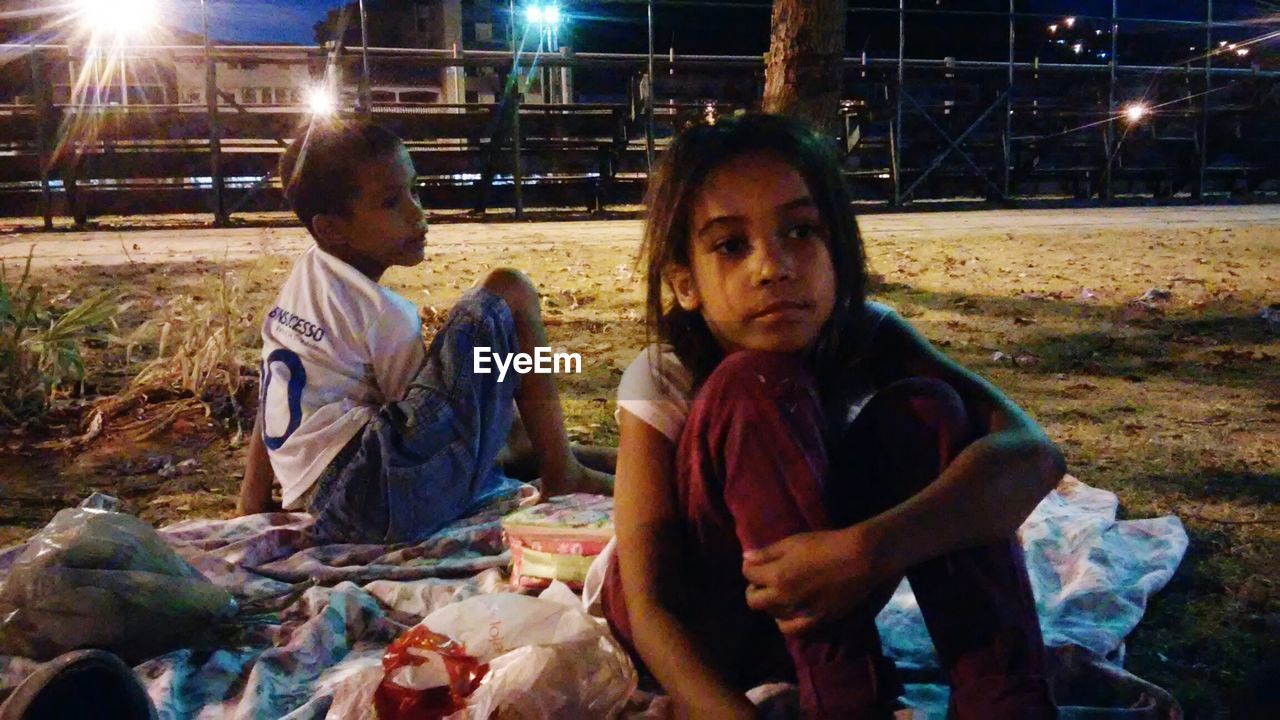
677	178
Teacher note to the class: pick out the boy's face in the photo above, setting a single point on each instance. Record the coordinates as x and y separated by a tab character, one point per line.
384	224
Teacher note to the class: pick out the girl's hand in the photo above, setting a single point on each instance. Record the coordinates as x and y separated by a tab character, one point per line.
812	578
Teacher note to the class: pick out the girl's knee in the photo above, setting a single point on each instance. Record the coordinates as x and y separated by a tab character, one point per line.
769	397
767	372
905	437
931	405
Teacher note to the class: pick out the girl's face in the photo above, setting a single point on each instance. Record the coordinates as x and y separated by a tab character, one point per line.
760	272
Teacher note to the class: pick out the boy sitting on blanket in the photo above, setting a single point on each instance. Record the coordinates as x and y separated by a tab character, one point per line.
379	438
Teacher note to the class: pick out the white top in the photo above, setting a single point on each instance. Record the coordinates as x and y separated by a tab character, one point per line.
661	395
335	348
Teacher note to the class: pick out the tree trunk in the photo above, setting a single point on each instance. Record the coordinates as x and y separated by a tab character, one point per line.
802	70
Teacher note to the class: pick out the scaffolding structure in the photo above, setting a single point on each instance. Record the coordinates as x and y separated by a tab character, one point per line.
913	128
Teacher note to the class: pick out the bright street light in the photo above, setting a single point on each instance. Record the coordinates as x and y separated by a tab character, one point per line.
1070	22
545	15
119	18
321	101
1135	112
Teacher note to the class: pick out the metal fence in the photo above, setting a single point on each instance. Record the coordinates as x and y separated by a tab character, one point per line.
914	127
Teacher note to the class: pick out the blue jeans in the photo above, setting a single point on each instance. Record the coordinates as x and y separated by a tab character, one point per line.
429	459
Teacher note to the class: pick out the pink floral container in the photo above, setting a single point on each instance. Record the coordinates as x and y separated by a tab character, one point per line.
558	539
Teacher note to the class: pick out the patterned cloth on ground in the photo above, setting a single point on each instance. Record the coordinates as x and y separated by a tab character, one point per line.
314	615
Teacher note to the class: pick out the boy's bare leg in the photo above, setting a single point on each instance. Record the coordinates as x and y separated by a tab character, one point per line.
597	457
538	399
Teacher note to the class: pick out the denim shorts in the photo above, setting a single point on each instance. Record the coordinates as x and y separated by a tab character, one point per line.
428	459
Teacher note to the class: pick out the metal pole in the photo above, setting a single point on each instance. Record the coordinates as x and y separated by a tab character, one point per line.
366	91
544	73
897	121
97	78
38	93
517	172
1204	111
1008	109
215	135
1111	111
566	86
648	121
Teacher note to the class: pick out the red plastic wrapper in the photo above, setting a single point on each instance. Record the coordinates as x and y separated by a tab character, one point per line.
393	701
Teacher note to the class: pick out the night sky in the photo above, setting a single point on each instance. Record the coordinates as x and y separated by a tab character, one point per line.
256	21
617	27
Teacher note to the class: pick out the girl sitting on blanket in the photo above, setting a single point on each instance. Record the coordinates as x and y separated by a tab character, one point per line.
790	450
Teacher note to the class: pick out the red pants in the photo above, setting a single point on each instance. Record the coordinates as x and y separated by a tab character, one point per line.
753	467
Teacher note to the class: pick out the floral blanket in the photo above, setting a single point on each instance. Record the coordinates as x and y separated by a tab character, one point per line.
314	615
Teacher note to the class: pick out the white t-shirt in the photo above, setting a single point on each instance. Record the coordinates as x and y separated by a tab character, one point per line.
661	397
335	348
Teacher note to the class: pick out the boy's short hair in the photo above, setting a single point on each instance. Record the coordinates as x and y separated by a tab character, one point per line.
318	169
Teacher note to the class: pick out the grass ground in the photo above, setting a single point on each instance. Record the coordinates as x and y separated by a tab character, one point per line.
1174	404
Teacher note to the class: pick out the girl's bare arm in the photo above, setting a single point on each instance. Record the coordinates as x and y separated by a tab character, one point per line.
989	488
981	497
646	524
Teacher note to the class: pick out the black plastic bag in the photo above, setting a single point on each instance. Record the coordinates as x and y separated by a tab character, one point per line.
94	578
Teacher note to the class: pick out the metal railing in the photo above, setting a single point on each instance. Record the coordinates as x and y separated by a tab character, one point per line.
913	127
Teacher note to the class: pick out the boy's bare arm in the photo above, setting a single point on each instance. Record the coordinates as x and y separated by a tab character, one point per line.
255	489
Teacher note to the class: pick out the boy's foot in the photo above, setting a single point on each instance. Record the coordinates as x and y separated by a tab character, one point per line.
580	479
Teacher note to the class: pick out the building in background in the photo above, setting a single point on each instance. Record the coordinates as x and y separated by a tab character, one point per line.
278	76
458	26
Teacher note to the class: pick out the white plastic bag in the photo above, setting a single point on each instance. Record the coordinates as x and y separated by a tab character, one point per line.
566	663
547	659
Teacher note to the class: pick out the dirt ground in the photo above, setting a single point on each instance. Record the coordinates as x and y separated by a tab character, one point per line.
1174	404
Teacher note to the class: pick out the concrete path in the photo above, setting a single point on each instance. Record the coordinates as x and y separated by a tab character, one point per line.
106	247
